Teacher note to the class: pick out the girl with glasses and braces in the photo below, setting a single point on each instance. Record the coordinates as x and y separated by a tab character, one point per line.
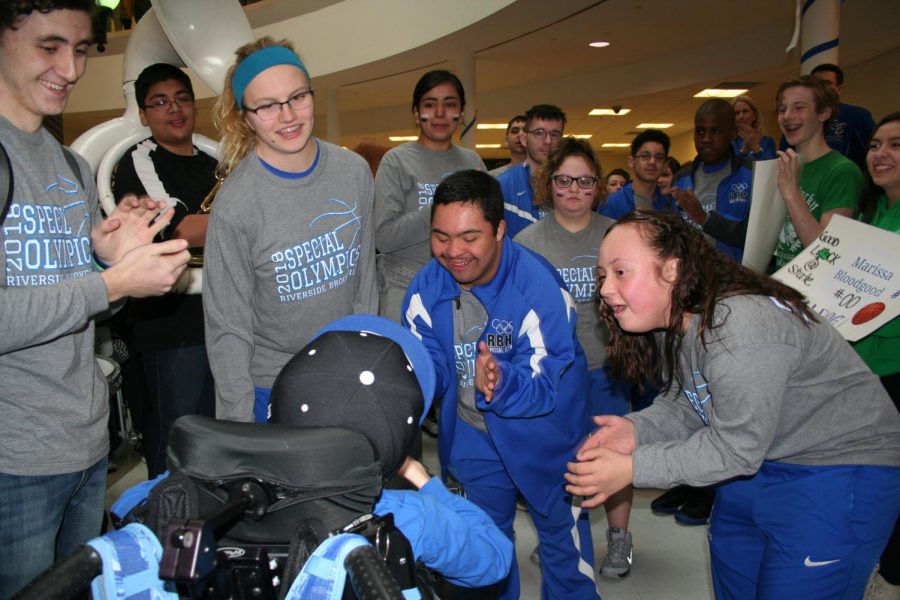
568	237
290	243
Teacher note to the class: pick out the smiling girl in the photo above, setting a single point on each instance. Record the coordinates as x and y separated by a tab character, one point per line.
568	238
756	393
881	349
290	239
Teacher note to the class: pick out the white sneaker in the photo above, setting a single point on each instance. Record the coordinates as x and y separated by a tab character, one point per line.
617	562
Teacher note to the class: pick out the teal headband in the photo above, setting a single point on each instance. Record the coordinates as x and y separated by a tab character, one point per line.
258	62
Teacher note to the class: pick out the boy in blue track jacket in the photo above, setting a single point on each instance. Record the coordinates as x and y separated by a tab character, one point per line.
714	191
544	127
500	327
649	152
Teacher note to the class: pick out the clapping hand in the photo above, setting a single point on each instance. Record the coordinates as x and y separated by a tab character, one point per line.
135	222
487	372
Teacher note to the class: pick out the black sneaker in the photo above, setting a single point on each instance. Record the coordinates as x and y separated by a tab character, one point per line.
671	501
696	509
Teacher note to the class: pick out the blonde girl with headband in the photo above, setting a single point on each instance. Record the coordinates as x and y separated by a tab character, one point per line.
290	243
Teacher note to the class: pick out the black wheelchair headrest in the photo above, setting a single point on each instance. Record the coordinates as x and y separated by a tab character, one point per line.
303	459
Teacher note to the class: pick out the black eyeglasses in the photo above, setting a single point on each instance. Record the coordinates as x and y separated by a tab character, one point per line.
298	101
585	182
163	104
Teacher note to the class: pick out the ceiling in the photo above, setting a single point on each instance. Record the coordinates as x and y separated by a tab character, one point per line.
535	51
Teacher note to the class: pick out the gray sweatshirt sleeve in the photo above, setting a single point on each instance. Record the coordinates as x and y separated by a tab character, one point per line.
366	299
395	226
228	311
667	418
749	380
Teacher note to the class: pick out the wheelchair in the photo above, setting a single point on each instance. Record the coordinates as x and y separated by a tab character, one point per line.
244	507
247	508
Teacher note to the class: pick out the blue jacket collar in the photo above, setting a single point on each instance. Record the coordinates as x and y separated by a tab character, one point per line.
736	163
660	202
450	287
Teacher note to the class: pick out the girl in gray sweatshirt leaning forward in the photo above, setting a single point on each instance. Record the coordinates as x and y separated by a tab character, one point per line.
756	393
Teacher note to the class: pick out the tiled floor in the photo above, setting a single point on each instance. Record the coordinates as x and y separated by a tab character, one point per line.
671	561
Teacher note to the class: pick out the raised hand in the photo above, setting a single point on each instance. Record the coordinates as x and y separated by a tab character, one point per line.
689	204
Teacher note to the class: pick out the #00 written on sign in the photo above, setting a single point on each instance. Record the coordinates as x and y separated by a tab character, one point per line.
847	275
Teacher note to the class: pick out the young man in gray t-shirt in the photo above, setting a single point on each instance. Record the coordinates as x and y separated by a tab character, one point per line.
56	245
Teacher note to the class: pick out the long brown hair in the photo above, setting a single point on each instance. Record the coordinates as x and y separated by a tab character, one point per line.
704	277
873	191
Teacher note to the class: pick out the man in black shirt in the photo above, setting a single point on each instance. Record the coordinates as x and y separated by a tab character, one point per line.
166	333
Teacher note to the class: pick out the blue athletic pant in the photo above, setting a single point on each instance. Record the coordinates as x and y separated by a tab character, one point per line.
567	556
795	531
608	396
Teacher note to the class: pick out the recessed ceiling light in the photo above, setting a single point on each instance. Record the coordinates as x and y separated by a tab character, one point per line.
487	145
655	125
615	145
598	44
719	93
491	126
403	138
605	112
583	136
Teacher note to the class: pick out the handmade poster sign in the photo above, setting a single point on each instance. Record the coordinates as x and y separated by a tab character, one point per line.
767	214
850	276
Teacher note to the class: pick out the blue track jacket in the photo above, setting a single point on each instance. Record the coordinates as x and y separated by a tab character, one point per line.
622	202
539	415
519	210
732	200
449	534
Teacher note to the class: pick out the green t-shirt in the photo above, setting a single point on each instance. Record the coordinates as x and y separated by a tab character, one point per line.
881	348
831	181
